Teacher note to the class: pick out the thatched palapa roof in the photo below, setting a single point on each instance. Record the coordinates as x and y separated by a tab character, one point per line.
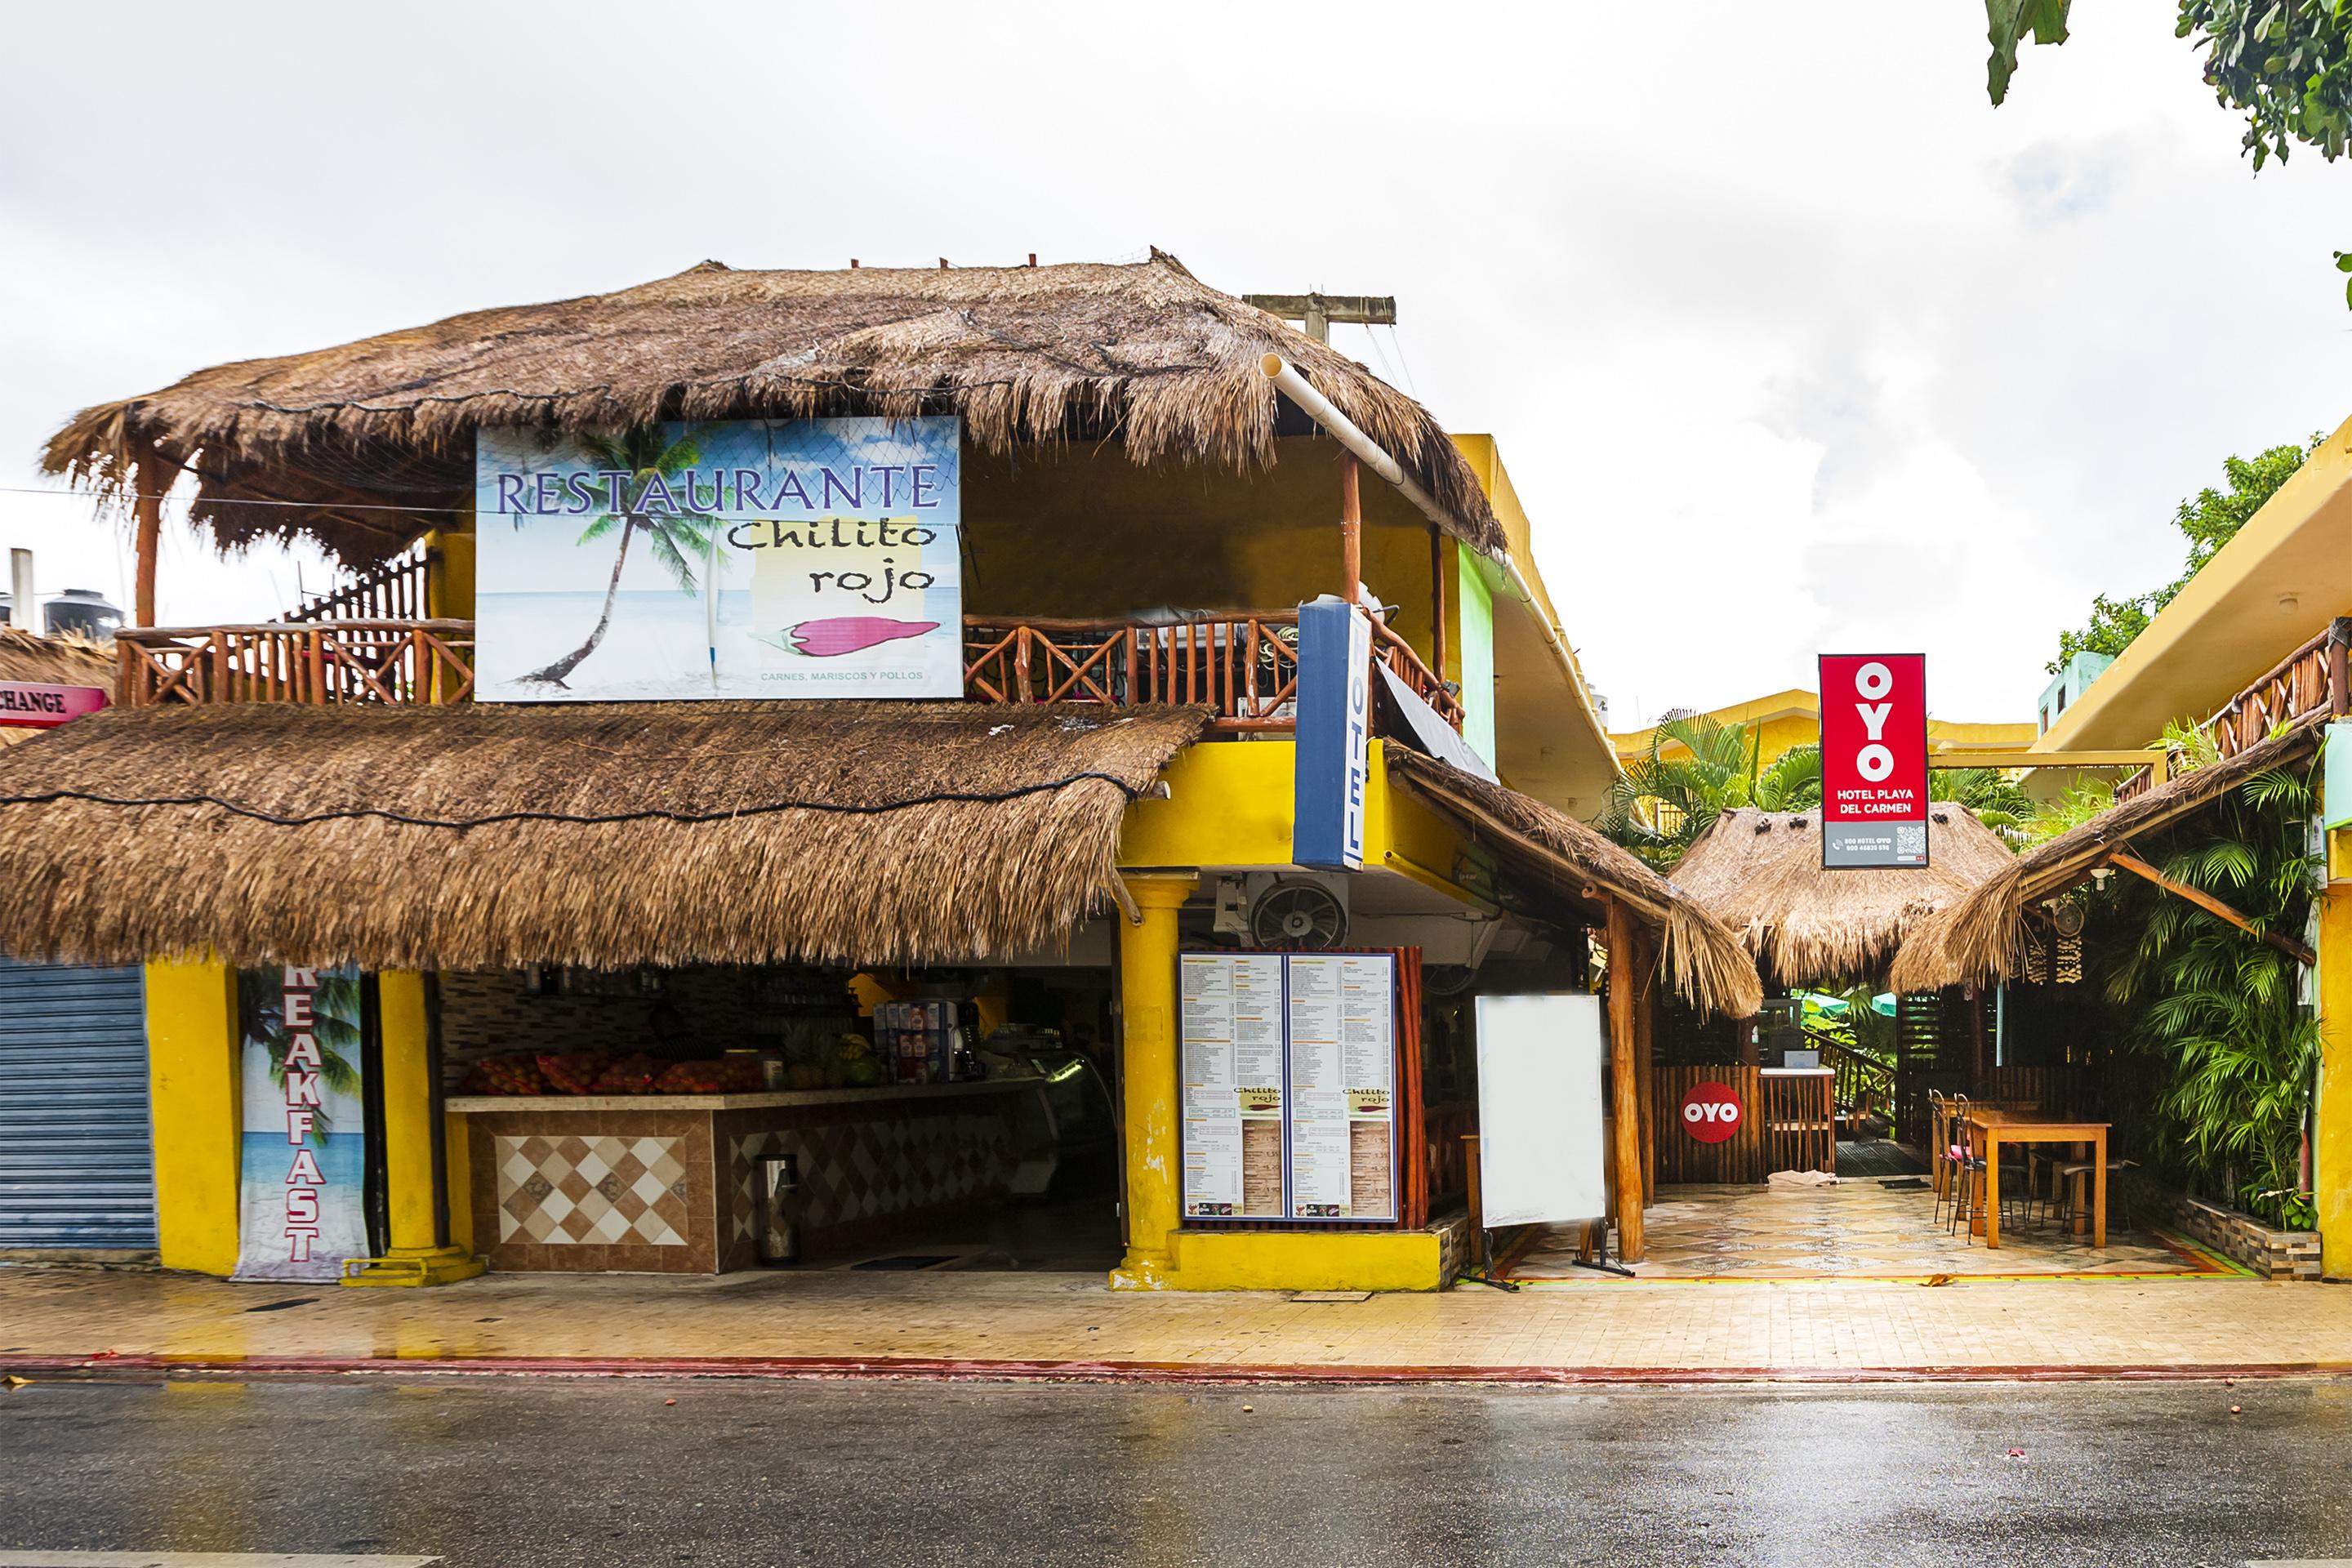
1701	958
1760	873
480	836
53	662
1145	354
1983	938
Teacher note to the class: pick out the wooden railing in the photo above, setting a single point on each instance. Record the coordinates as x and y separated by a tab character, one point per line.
392	590
1863	1080
1244	667
2308	681
386	662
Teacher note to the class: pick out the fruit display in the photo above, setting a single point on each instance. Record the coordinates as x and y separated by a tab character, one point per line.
738	1074
506	1075
632	1074
573	1072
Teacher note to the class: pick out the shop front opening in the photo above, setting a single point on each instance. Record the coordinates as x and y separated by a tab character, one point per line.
709	1120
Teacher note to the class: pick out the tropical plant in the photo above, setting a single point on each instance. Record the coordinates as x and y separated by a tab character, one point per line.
335	1028
1697	768
1996	799
676	537
2218	1011
2210	520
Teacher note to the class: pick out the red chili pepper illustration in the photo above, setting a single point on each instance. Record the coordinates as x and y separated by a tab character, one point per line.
847	633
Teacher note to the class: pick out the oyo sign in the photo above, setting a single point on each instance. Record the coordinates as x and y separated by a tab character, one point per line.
1873	759
1712	1112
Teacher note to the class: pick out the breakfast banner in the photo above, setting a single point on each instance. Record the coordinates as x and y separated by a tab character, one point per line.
741	559
301	1192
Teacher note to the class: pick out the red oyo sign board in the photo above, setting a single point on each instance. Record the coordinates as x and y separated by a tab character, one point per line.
1712	1112
1873	759
28	705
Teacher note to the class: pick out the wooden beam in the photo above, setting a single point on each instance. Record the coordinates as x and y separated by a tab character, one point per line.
1352	527
1624	966
1645	1018
2211	905
1437	542
151	477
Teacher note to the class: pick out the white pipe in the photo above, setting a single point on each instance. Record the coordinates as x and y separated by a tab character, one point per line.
1343	430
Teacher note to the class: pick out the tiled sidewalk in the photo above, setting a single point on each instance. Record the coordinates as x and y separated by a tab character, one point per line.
1070	1325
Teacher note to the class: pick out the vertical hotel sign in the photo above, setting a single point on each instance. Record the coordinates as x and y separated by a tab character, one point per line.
1335	728
303	1154
1873	759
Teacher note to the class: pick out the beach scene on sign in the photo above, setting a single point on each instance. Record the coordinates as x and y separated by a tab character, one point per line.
733	559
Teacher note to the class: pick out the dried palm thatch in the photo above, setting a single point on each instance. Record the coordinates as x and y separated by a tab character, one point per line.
53	662
1760	873
1984	937
606	835
1145	354
1702	959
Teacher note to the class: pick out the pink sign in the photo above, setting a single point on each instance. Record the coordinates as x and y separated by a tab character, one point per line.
28	705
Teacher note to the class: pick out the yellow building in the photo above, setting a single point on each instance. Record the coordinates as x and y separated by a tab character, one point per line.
1149	768
1786	720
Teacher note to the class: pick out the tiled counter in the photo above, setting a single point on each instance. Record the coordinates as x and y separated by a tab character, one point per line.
667	1184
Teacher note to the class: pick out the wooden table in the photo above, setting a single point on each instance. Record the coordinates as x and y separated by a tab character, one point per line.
1993	1127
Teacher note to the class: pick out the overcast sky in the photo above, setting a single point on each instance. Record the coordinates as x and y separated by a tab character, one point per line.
1791	341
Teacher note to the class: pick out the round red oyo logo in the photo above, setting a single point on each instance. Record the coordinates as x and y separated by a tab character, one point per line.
1711	1111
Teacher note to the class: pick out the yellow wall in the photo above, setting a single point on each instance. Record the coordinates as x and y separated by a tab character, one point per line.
1308	1260
192	1065
1792	719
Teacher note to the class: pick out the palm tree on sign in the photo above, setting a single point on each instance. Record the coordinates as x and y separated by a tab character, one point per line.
675	537
1696	769
335	1026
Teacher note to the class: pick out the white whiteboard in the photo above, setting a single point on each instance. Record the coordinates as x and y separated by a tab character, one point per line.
1541	1152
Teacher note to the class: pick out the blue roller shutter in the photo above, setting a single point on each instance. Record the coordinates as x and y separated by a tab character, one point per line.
77	1166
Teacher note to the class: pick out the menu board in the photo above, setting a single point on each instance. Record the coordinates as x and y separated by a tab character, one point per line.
1231	1007
1289	1085
1342	1083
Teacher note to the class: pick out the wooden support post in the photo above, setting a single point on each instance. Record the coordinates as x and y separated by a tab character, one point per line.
2206	901
1352	527
1437	604
1977	1076
1645	1018
151	477
1624	966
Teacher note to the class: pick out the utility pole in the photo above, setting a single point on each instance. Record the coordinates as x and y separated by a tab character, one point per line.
1316	313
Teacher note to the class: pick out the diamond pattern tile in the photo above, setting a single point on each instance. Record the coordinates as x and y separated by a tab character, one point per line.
591	1191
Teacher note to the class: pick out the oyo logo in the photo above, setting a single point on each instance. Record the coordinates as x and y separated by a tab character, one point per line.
1711	1111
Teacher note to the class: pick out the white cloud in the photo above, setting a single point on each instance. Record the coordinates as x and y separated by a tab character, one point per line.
1746	301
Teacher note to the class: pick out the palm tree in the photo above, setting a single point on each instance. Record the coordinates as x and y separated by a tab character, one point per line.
335	1027
1663	803
675	537
1996	798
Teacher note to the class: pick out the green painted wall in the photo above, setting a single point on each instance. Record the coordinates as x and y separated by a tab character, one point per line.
1477	655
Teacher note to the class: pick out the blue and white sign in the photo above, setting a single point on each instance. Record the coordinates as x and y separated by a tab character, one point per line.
1335	730
747	558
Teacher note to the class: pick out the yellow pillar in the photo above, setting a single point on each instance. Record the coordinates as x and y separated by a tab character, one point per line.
2331	1153
449	575
419	1253
1147	1070
192	1063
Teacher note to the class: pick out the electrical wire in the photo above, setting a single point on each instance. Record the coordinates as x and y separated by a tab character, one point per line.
492	819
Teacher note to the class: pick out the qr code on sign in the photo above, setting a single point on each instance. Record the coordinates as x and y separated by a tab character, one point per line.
1910	839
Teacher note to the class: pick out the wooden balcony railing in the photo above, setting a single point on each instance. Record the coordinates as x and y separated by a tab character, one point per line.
1245	667
2308	681
392	590
324	662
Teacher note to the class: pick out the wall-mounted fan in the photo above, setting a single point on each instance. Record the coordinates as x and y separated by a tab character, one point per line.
1302	916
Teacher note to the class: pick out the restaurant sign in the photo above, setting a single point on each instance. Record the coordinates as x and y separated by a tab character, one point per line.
742	559
1873	759
29	705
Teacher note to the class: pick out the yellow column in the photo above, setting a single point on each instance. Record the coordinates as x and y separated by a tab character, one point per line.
419	1255
193	1064
2331	1153
1147	1069
449	579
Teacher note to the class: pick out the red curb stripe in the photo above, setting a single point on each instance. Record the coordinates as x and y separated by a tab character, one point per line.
924	1368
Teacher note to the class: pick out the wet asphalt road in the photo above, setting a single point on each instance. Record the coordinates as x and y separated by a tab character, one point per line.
527	1472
